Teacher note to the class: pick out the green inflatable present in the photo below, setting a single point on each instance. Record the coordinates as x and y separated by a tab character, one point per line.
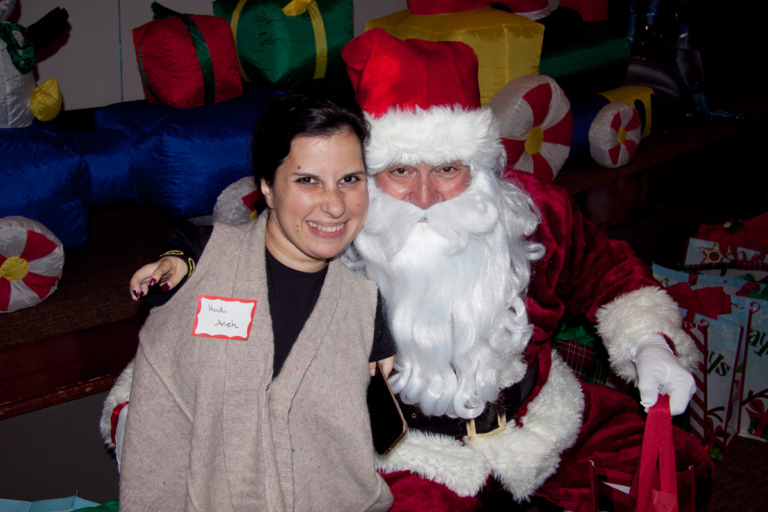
283	44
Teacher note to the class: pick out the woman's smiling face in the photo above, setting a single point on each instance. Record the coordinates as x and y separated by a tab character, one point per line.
318	200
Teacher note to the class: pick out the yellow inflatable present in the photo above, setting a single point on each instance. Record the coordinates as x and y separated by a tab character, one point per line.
508	46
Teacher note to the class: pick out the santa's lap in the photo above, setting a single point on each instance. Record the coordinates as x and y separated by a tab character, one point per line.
611	437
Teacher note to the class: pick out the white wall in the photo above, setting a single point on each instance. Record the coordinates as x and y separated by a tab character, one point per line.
97	64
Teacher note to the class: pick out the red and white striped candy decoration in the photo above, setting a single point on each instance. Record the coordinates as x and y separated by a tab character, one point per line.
536	124
615	134
31	262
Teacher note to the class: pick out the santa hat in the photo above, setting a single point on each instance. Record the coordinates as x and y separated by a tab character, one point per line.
423	102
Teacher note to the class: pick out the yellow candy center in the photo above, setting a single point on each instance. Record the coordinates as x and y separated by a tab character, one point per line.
14	268
534	140
621	135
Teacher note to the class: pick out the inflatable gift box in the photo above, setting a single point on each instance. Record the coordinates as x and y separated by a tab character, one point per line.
283	44
186	60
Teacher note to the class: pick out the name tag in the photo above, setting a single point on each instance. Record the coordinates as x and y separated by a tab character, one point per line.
222	317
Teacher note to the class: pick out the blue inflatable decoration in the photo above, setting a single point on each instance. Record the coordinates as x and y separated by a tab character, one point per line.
108	155
44	178
183	159
584	111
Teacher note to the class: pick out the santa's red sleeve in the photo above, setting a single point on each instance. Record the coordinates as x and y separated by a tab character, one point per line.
586	272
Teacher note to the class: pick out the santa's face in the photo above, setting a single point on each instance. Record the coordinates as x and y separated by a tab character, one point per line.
424	184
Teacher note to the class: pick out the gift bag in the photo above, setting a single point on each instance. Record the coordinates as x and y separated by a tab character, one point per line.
754	401
709	256
741	249
749	300
734	249
67	504
656	486
718	322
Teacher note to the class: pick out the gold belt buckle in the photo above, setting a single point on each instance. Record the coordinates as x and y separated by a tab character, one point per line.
501	419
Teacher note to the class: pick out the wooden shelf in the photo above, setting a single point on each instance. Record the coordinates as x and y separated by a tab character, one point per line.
65	367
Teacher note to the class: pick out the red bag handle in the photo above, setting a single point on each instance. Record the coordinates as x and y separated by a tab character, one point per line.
657	446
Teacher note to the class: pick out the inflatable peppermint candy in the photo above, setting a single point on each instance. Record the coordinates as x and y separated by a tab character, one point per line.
31	261
237	203
615	134
535	124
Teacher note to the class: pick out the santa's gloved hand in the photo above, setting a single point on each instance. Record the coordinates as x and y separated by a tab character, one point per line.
659	372
120	434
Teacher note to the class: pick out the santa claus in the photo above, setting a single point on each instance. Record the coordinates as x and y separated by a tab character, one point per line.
476	270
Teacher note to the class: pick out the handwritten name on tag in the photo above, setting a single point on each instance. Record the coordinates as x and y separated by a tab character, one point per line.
222	317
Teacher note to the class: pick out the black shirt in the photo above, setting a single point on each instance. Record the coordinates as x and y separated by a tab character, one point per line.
292	295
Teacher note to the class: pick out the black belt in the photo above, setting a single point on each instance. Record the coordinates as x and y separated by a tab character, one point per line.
510	400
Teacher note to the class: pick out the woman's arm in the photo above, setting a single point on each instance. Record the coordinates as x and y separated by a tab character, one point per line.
158	281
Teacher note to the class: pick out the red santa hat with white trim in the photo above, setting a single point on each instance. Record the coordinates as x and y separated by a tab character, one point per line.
422	100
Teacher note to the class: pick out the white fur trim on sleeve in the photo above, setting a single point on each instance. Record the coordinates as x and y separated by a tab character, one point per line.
119	393
623	322
439	458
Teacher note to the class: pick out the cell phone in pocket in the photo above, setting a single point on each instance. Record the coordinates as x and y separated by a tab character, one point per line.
387	422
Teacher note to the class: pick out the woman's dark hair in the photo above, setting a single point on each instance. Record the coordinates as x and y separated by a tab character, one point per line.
309	113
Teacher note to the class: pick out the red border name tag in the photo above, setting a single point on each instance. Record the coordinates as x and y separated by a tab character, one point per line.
222	317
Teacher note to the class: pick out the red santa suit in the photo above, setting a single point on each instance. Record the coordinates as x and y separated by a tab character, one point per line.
559	424
563	424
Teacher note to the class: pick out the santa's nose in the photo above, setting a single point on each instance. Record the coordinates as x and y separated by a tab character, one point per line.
424	193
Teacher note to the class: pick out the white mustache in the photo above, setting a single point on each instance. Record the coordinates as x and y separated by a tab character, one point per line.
479	215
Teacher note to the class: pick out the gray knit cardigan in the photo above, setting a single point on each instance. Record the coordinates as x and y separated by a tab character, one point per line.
209	430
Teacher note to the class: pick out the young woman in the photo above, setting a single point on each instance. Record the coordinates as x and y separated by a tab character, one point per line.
249	385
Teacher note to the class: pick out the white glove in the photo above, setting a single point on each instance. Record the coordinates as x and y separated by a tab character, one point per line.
658	372
120	433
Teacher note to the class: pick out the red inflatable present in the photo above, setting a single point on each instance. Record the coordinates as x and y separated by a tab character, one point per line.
187	60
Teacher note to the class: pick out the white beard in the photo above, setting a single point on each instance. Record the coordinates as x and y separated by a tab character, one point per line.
453	278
